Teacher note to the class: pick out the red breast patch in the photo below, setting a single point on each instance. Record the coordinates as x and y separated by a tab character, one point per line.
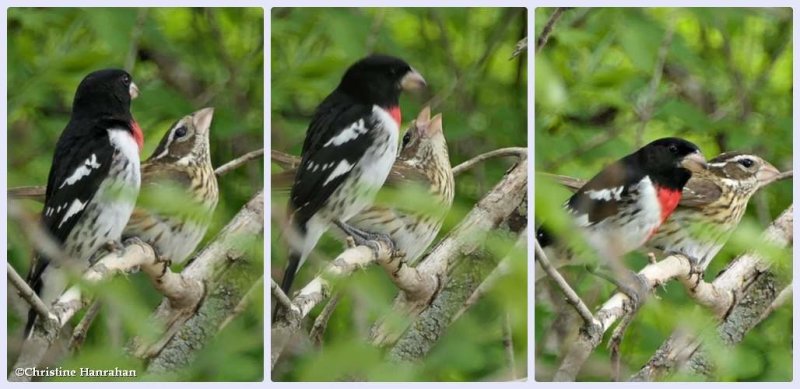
396	115
668	199
137	134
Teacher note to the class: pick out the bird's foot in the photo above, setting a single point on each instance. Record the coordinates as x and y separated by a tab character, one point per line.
697	272
364	238
109	247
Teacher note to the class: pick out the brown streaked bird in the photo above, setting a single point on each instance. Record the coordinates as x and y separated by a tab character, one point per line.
179	190
713	204
423	161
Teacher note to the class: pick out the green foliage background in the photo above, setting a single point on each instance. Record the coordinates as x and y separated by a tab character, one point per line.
726	85
182	60
464	55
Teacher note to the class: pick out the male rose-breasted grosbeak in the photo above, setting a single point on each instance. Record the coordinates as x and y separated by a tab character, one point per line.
181	163
348	151
423	161
94	178
620	208
712	205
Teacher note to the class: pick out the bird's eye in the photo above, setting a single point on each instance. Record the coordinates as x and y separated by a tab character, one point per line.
747	162
180	132
406	138
126	79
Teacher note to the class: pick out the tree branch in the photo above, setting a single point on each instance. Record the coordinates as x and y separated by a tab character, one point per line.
519	152
572	297
464	262
548	28
28	294
222	274
750	279
316	291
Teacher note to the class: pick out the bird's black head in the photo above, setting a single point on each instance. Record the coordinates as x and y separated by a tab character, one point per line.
671	161
379	79
105	93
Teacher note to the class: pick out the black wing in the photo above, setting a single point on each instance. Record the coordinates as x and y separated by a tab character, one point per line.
615	180
79	166
321	156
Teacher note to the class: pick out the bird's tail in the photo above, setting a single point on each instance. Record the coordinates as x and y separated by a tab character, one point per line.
32	315
288	277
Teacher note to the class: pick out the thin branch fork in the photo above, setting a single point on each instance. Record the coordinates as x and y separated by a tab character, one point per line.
319	289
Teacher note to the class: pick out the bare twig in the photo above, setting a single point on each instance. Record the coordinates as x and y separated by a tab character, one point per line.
572	297
519	152
321	322
280	297
80	331
28	294
548	28
239	161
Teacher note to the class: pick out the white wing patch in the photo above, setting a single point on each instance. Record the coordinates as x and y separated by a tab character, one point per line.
342	168
73	210
606	194
348	134
82	171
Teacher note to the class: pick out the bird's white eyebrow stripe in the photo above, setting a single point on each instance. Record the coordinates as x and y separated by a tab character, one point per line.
81	171
73	210
342	168
170	138
348	134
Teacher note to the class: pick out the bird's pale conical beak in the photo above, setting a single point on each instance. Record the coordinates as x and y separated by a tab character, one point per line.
133	90
435	126
202	119
412	81
424	115
694	162
767	174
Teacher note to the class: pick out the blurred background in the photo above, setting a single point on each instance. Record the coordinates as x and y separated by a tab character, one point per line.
465	55
182	60
608	81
